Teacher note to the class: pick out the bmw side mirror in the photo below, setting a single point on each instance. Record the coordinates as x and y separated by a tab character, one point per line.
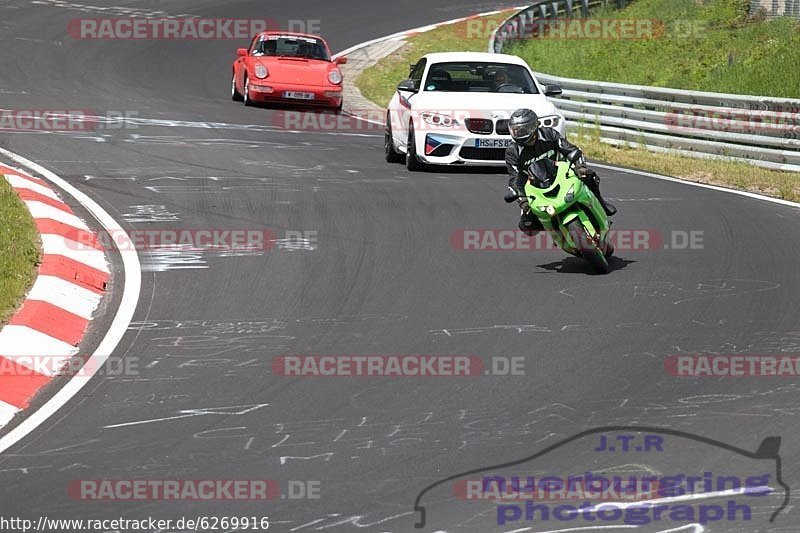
510	197
552	90
408	85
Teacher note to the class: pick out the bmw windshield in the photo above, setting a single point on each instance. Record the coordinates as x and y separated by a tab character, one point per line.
479	77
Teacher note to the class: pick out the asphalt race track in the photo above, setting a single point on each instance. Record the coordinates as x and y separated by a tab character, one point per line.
379	276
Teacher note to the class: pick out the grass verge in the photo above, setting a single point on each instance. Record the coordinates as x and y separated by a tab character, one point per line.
705	46
19	250
378	83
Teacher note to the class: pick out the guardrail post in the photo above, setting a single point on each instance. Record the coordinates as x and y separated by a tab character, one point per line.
584	8
543	10
527	21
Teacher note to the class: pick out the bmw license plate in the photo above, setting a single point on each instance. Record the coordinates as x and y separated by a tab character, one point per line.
492	143
298	96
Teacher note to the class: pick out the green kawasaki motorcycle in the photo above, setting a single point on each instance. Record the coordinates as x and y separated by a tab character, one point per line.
569	211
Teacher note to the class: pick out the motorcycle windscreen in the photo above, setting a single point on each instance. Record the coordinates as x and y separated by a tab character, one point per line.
543	173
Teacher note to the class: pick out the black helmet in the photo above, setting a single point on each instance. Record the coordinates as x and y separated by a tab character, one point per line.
523	125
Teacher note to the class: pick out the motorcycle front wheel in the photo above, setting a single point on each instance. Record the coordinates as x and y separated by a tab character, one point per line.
587	247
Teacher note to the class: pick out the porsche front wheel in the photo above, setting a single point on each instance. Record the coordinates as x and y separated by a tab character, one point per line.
236	96
246	98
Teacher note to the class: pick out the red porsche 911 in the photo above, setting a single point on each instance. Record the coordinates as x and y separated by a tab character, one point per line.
287	67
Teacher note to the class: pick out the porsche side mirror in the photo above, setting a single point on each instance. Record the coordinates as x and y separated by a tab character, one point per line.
552	90
241	52
341	60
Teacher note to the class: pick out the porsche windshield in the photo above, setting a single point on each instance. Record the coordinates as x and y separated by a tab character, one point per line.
480	77
292	46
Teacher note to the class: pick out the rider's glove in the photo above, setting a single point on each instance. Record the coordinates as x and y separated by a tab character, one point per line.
583	172
523	201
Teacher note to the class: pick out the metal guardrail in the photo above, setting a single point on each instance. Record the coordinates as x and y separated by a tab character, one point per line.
760	130
776	8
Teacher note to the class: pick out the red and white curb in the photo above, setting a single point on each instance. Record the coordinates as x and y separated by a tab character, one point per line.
45	332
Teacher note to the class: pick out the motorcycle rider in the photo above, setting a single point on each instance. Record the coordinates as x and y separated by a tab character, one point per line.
533	142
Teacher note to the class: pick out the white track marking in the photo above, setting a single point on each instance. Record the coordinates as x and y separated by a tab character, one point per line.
167	123
119	325
66	295
82	253
7	412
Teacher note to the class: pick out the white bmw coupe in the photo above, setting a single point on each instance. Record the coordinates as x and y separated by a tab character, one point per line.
454	109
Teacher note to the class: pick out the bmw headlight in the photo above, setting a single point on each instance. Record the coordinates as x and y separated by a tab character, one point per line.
335	77
551	210
261	72
570	196
437	119
551	121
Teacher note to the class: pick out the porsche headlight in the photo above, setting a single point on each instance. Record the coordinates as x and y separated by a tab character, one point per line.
335	77
437	119
261	72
